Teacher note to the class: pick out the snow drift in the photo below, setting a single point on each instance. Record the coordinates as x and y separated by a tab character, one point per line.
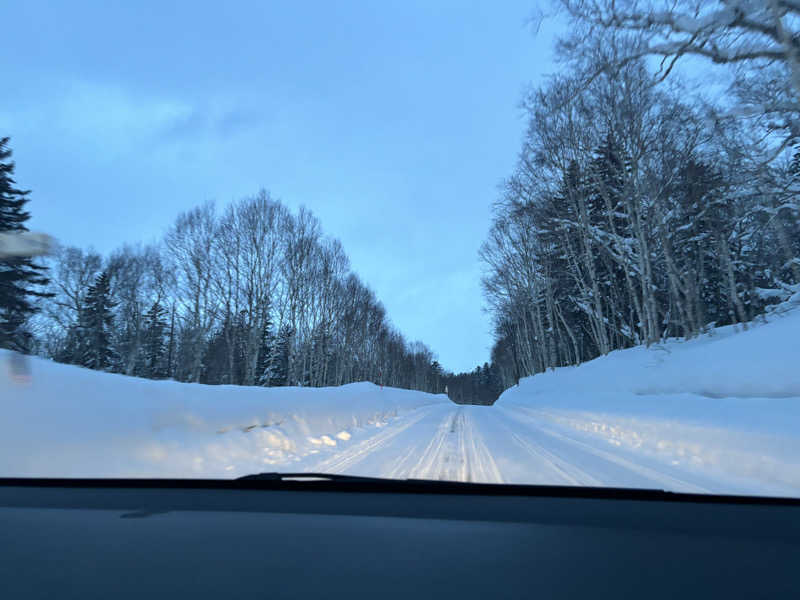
73	422
727	402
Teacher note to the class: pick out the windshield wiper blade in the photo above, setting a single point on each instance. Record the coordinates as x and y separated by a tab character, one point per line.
339	482
308	477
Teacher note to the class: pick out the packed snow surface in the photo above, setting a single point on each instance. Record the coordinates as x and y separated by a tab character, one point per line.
720	413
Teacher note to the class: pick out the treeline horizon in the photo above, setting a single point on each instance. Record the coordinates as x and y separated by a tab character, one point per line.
252	294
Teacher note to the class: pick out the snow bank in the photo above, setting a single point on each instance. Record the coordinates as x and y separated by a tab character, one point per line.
728	401
73	422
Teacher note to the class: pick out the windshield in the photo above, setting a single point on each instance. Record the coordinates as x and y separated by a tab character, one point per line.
506	243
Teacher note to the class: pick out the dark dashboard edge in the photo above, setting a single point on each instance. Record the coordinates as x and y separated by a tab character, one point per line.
401	486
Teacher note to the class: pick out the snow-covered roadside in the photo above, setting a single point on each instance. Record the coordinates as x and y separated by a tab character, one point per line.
72	422
720	413
726	404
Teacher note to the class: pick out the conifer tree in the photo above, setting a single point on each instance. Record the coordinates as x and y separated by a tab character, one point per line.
154	347
266	354
96	325
19	277
283	348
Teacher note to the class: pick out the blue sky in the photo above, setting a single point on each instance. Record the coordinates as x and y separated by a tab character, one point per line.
394	122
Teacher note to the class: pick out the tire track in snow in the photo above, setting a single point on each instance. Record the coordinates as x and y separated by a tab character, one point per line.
658	476
572	474
353	455
535	464
454	453
424	469
480	463
408	463
457	444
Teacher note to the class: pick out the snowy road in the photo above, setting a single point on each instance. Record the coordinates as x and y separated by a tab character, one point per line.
509	445
665	417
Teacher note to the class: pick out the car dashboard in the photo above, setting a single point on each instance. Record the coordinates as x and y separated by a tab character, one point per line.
327	539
